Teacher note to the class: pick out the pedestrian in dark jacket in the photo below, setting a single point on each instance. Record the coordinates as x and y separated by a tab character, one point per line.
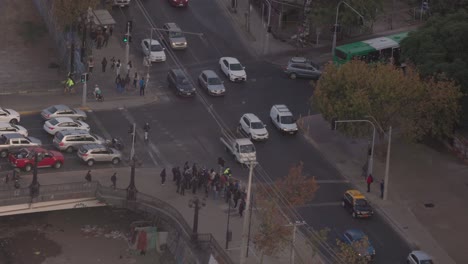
174	172
236	197
113	63
88	176
194	184
178	183
118	83
114	180
241	207
369	181
163	176
382	186
183	184
104	64
135	79
142	86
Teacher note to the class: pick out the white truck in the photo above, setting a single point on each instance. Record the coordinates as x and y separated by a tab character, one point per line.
242	149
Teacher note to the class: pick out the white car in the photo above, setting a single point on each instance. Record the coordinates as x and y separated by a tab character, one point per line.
419	257
8	128
233	69
251	125
55	125
157	51
9	115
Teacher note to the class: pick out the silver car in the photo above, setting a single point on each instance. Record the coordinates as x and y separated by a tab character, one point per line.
302	67
174	36
70	140
92	153
210	82
63	111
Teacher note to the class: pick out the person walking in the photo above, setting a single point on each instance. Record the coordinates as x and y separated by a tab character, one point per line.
118	83
114	180
142	87
382	186
88	177
236	197
129	66
111	30
369	181
178	183
241	207
174	172
127	82
104	64
163	176
90	65
117	67
113	63
135	79
106	39
183	184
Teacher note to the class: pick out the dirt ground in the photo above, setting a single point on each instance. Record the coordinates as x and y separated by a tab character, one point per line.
26	49
87	235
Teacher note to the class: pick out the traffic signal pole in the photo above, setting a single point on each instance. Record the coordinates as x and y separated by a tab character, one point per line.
127	45
85	89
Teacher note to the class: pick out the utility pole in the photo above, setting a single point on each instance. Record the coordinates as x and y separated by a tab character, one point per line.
148	60
34	187
228	232
294	225
245	225
387	164
84	80
127	44
335	27
131	189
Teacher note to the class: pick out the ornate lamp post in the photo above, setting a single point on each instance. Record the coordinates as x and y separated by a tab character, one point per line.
34	187
197	204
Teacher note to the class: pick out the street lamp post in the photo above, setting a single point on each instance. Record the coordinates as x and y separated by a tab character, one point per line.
131	189
196	204
246	216
336	23
228	232
294	225
370	166
35	186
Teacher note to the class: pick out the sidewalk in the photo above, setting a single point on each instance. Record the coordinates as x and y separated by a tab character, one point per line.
419	176
212	217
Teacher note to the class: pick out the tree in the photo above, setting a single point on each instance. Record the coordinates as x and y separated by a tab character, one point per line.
273	235
350	253
296	188
413	106
438	49
445	6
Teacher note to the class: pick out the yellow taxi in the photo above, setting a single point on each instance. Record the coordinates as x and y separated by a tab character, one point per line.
356	203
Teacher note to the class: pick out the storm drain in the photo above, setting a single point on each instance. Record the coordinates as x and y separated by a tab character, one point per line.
429	205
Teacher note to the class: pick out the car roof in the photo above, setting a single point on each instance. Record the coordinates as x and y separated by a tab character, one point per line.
210	74
12	135
67	132
252	117
243	141
153	41
93	146
283	109
230	60
356	194
421	255
356	233
298	59
62	107
178	72
64	119
173	26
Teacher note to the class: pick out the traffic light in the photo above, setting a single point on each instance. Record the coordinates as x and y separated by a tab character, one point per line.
84	77
129	26
125	38
333	124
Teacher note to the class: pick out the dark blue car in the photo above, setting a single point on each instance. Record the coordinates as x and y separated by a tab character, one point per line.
353	237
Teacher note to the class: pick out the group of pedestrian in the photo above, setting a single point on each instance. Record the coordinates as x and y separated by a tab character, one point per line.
196	179
113	179
100	36
370	180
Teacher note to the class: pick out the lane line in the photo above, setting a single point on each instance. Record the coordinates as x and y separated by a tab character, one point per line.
324	204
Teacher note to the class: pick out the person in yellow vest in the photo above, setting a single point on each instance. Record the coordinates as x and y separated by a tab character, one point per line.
69	83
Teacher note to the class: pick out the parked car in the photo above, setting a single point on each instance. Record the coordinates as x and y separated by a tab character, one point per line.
302	67
92	153
63	111
174	36
8	128
70	140
253	127
9	115
233	69
25	158
360	242
153	50
419	257
209	81
283	119
54	125
355	202
12	142
180	83
179	3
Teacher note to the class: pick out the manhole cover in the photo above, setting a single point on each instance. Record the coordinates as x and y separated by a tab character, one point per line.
429	205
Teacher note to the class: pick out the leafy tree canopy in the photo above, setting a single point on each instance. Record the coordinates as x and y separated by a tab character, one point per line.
445	6
296	188
413	106
324	11
441	46
68	11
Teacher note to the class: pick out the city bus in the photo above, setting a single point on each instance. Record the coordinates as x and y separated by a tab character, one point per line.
372	50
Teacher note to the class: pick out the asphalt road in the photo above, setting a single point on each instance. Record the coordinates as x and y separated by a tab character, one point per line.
183	129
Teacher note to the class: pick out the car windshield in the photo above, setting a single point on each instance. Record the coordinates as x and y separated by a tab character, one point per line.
257	125
156	47
59	136
53	121
361	202
287	120
182	80
214	81
247	148
236	67
23	153
52	109
175	34
427	261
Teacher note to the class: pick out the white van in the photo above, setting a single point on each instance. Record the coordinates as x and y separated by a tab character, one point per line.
283	119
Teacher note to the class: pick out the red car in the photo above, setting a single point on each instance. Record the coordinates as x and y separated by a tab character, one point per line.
178	3
24	158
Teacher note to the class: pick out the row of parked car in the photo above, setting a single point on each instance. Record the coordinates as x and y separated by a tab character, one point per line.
70	133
